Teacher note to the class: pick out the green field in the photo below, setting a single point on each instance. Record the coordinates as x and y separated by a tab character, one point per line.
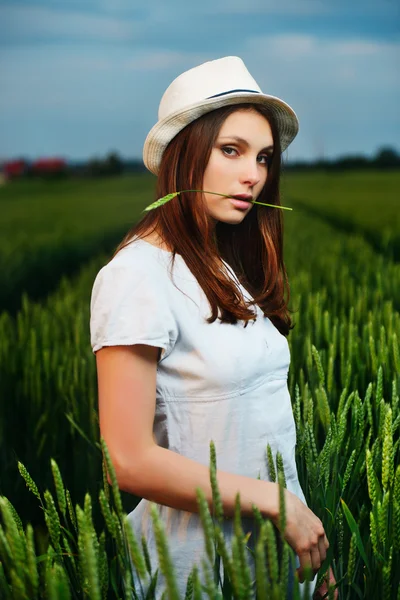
344	379
50	228
365	202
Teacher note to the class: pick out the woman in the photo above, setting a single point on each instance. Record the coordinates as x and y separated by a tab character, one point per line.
171	376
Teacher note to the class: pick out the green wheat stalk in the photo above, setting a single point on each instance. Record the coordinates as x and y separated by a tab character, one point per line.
169	197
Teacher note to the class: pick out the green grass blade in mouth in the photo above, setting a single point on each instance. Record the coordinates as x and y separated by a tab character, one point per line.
169	197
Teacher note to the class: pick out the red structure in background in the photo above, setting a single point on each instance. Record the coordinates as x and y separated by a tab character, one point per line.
48	165
15	169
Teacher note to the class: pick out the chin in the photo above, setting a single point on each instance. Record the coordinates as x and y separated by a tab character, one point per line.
233	220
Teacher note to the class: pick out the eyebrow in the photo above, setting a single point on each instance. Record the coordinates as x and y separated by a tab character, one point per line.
243	141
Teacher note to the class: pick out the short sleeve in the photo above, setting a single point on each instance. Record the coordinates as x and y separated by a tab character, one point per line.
129	306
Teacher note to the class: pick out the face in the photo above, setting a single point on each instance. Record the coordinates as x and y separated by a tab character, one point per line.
235	167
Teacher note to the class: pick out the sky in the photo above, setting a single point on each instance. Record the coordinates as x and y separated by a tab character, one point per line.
81	79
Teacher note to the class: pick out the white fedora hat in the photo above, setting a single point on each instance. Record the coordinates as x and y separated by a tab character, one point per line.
205	88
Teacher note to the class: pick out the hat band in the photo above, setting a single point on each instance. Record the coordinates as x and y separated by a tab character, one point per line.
232	92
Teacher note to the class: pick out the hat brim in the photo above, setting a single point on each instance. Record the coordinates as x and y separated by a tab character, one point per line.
166	129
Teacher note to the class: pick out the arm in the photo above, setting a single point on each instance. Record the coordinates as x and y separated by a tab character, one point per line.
127	397
127	391
166	477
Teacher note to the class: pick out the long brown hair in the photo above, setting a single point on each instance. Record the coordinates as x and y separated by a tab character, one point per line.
253	248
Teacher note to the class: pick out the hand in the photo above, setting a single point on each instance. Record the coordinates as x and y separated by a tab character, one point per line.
304	533
323	590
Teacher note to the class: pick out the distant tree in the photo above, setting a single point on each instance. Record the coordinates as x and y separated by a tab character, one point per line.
113	164
386	157
351	162
94	167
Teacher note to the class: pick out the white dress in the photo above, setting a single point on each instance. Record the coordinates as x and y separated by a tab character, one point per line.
219	381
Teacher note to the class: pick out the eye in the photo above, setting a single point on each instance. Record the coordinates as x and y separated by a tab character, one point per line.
267	157
228	148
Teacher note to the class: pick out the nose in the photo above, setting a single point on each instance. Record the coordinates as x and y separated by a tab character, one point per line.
251	173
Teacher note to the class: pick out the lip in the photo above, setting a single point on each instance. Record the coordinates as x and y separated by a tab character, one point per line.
243	197
240	203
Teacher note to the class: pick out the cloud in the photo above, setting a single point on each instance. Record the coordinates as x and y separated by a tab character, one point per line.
271	7
343	90
361	48
78	80
117	68
296	55
283	46
154	60
24	23
165	60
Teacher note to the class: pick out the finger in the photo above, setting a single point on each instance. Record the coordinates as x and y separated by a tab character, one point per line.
322	590
335	593
329	581
326	542
315	560
332	582
300	574
305	563
322	549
